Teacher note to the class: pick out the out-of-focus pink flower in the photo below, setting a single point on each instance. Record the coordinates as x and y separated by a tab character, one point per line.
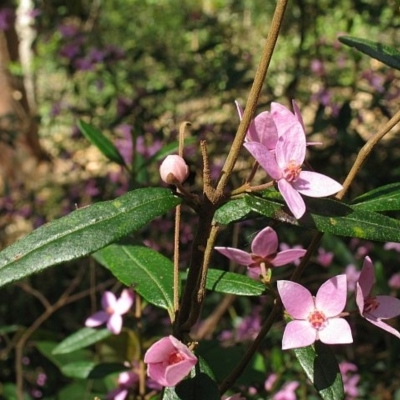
169	361
394	281
112	312
126	381
315	318
392	246
174	168
375	308
270	382
7	16
264	250
324	257
285	165
352	277
287	392
350	379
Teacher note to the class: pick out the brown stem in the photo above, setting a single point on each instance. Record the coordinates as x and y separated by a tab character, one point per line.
254	95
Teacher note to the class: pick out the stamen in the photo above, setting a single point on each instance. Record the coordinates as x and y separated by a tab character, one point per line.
317	319
292	171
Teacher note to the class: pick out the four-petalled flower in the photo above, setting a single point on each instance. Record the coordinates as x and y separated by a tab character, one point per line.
264	250
375	308
112	312
285	166
315	318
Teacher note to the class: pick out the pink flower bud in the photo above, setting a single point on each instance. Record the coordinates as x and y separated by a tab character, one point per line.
169	361
173	168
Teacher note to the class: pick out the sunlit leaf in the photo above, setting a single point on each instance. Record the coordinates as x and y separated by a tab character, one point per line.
330	216
83	232
384	198
384	53
96	137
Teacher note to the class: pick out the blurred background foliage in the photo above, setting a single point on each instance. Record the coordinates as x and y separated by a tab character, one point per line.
136	70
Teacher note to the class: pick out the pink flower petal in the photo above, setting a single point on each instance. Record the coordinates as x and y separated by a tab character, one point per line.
176	372
389	307
331	296
98	318
125	301
296	299
159	351
284	119
108	300
236	255
367	277
291	146
313	184
265	158
382	325
288	256
298	334
264	131
292	198
336	332
359	298
297	114
265	243
114	324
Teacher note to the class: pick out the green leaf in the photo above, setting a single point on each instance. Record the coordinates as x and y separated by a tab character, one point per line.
47	347
150	273
83	232
233	211
81	339
384	53
199	386
96	137
384	198
330	216
91	370
232	283
321	367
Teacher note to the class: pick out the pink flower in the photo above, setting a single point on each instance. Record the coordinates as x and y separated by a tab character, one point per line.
287	392
264	250
375	308
315	318
173	168
394	281
169	361
126	381
352	277
324	257
284	166
112	312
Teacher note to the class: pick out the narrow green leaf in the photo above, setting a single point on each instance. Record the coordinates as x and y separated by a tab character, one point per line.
150	273
81	339
384	53
232	283
384	198
83	232
321	367
200	385
47	347
327	215
96	137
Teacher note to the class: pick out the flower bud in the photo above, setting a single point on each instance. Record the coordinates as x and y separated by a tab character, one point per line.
174	168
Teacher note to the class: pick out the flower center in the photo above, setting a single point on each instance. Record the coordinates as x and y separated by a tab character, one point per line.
266	260
317	319
109	310
175	358
292	171
371	304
